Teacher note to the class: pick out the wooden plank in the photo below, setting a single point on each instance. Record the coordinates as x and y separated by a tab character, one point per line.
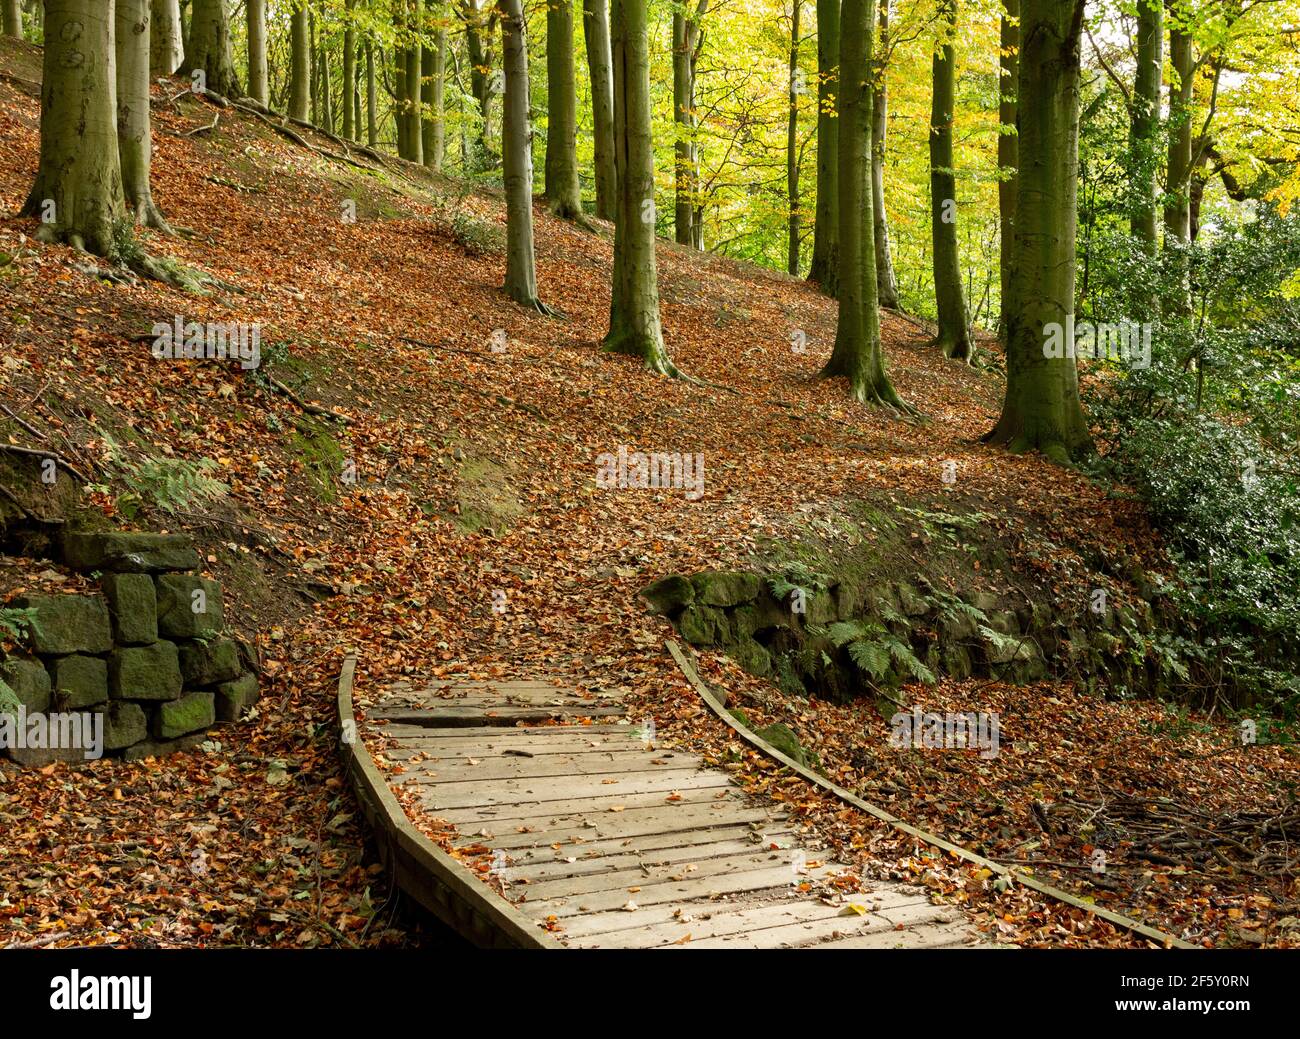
632	823
530	867
586	806
646	874
538	740
926	936
657	925
461	717
596	730
816	932
647	844
509	766
477	793
776	878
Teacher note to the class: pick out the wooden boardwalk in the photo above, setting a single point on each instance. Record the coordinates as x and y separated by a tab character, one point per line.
604	841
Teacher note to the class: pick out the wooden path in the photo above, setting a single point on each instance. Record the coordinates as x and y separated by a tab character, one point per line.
600	840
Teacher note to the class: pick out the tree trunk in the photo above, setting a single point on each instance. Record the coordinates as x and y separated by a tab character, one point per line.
400	124
857	354
167	46
517	158
563	192
825	258
326	98
1008	146
258	85
299	64
207	48
435	148
1042	410
792	149
313	65
595	27
134	136
372	98
634	300
414	104
480	27
13	18
349	101
1178	211
886	280
77	193
1144	122
949	294
686	35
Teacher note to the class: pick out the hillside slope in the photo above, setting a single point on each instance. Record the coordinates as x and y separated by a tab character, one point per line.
437	508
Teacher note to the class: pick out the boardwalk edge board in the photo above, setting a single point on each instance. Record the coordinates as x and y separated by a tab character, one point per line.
1017	875
444	886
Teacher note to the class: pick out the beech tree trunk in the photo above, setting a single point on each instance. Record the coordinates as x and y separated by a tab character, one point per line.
949	295
13	18
857	354
349	101
372	98
77	193
1144	122
595	28
825	257
326	95
438	100
563	192
299	64
886	280
480	28
792	149
166	44
134	134
207	48
686	40
414	104
517	158
634	326
258	85
1008	147
1041	410
1178	209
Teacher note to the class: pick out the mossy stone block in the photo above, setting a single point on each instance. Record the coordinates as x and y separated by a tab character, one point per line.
118	551
145	672
78	681
29	681
69	624
191	712
210	662
189	607
133	604
235	697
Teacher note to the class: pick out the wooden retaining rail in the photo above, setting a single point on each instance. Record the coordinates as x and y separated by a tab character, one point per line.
1018	875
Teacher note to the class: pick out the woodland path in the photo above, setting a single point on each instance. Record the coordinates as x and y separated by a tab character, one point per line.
603	838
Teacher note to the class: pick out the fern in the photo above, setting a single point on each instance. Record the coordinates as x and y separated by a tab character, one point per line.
871	657
903	654
9	702
170	484
1003	643
15	623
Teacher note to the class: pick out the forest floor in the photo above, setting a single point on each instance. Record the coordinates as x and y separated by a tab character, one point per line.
476	475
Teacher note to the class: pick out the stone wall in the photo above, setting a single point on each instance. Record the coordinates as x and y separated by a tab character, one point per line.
822	638
148	653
